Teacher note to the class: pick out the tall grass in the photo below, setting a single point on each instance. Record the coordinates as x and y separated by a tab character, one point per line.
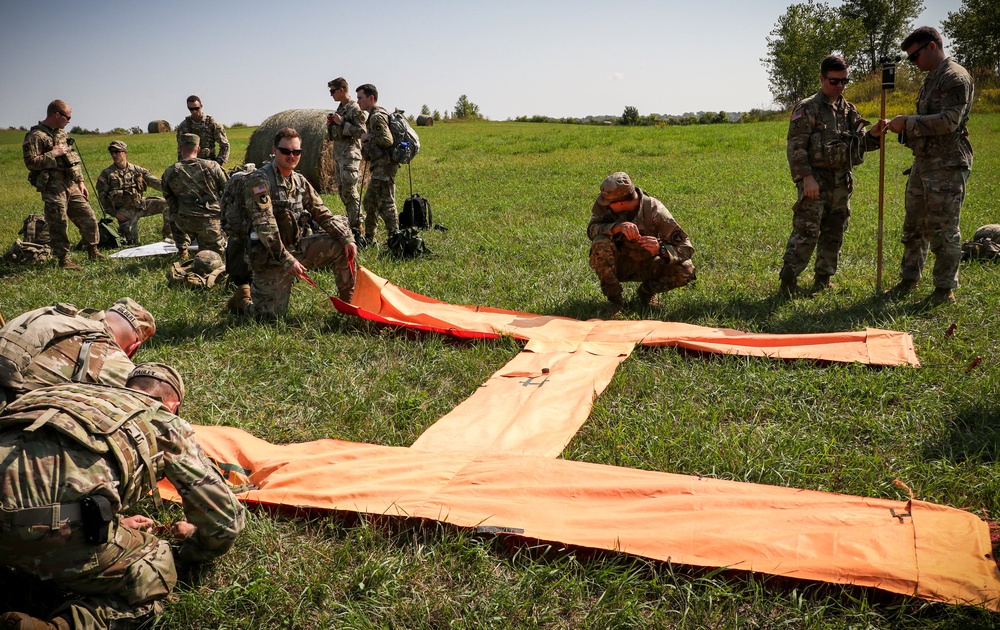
516	200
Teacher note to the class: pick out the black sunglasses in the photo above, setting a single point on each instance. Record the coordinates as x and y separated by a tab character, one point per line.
194	109
836	81
63	114
284	151
912	57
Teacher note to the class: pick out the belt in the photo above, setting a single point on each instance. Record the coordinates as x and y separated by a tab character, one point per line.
51	515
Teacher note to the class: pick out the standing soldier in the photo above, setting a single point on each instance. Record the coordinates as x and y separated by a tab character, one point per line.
193	188
345	128
209	130
826	138
277	253
120	189
376	147
938	135
54	170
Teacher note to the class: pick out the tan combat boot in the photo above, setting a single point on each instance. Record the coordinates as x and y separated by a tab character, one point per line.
646	298
901	290
941	296
821	283
241	301
21	621
93	253
66	263
789	289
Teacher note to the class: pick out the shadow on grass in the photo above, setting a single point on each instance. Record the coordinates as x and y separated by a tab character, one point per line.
973	435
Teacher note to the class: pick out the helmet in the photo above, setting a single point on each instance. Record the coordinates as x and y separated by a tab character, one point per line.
206	262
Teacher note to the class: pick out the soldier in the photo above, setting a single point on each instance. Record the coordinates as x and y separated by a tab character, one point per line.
209	131
193	188
938	135
635	239
120	189
54	170
277	253
376	146
61	344
344	129
826	137
73	459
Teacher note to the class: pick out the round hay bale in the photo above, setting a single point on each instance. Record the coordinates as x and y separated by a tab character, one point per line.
317	150
423	120
158	126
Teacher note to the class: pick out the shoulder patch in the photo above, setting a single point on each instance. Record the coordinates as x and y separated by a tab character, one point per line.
797	114
260	189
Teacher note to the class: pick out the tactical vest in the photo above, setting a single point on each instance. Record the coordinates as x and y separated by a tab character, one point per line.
128	188
102	419
20	342
69	164
286	210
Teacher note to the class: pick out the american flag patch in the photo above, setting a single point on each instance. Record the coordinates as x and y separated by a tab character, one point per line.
796	115
260	189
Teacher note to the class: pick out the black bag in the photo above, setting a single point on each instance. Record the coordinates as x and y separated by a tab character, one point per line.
406	243
108	236
416	213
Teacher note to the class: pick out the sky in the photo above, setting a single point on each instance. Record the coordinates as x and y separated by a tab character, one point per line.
126	63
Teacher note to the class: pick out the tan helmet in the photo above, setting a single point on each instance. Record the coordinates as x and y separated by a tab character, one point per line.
205	262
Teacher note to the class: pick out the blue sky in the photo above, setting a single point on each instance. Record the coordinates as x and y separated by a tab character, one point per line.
122	64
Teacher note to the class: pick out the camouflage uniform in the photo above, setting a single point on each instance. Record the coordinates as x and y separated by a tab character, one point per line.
380	199
61	445
59	180
616	260
120	192
211	133
939	138
276	242
825	139
346	139
193	189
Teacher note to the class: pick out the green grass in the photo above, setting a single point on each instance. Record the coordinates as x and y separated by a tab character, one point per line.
516	199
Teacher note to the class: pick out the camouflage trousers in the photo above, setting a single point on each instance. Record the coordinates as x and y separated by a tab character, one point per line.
129	228
119	584
346	173
819	224
617	261
208	231
933	208
380	201
271	286
65	202
236	265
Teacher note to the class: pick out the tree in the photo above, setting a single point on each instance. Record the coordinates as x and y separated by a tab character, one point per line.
882	24
436	115
630	116
425	111
974	31
801	39
466	109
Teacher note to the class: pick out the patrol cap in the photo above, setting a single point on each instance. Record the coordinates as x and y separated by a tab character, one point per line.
160	372
141	319
616	187
117	145
191	139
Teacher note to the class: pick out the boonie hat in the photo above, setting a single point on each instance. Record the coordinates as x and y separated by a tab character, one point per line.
141	319
616	187
161	372
117	145
191	139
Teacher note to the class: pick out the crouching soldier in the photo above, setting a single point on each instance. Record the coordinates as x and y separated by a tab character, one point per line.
120	188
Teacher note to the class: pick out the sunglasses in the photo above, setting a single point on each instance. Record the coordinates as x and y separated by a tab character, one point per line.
284	151
194	109
63	114
912	57
115	151
836	81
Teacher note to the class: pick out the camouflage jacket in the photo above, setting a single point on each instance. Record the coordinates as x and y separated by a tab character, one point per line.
194	187
275	203
211	133
376	148
78	440
60	344
826	135
939	131
123	187
347	135
39	141
652	218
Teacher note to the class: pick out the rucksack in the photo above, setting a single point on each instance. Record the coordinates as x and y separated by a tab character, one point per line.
416	213
27	253
34	229
985	244
406	243
108	235
201	272
405	141
234	219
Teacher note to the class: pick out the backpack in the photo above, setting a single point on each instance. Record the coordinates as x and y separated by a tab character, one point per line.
416	213
35	230
27	253
405	141
406	243
201	272
985	244
234	219
108	235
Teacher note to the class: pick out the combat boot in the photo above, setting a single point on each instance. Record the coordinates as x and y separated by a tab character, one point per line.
613	308
789	289
66	263
93	253
941	296
241	300
901	290
646	298
21	621
821	283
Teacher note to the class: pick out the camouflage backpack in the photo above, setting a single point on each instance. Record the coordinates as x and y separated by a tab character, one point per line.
406	243
201	272
27	253
35	230
234	219
985	244
405	142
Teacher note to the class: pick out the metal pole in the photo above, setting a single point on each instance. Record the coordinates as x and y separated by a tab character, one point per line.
881	201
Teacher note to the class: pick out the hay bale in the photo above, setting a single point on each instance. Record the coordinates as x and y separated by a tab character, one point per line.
317	150
424	120
158	126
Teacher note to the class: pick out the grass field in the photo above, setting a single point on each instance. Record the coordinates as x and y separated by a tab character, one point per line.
516	199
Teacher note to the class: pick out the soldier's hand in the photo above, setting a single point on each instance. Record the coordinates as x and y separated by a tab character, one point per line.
651	244
297	270
83	189
898	124
140	522
183	529
627	229
337	119
878	129
121	218
59	150
809	187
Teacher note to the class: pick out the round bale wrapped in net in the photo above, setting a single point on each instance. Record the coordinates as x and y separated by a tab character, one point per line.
423	120
317	150
158	126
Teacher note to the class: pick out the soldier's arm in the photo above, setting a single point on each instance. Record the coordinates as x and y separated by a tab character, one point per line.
956	94
670	233
799	128
379	130
602	221
151	180
356	123
334	226
208	502
181	130
102	189
220	136
37	154
257	198
168	194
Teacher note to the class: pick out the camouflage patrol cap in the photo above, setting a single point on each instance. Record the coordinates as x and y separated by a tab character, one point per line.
141	319
190	139
117	145
616	187
160	372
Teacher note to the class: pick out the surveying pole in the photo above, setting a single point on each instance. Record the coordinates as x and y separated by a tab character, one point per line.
888	83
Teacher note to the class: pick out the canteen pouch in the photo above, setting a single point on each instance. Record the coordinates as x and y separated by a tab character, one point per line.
97	514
